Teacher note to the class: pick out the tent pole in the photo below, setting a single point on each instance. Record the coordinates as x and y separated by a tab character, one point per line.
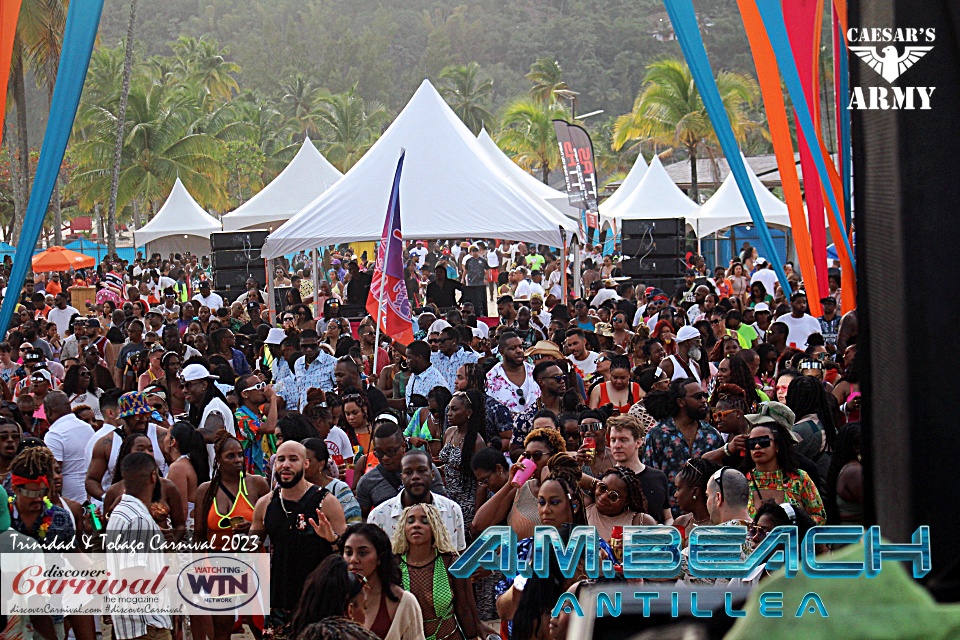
563	269
316	283
271	301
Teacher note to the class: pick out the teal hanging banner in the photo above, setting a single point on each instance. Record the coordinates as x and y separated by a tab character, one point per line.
83	20
684	20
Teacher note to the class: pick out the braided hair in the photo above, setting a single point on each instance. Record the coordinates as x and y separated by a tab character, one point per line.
636	499
219	444
476	426
697	472
730	394
565	471
806	395
476	376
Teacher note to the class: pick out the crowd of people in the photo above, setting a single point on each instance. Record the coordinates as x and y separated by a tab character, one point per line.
365	468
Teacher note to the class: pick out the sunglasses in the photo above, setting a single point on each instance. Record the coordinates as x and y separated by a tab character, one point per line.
260	386
719	414
718	478
33	493
763	442
520	397
387	453
288	318
534	455
702	395
433	341
591	426
559	377
614	496
715	321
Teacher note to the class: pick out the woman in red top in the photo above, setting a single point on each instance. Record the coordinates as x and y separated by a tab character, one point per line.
666	333
619	390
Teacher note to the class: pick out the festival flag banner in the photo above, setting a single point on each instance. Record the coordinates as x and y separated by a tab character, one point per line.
684	20
79	34
9	14
580	172
841	78
768	76
388	301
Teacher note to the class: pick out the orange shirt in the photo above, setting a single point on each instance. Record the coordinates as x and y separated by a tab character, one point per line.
53	288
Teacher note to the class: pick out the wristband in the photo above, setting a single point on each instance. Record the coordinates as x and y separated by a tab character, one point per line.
726	448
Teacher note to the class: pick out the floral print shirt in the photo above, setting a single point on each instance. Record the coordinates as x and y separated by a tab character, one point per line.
666	449
797	488
500	388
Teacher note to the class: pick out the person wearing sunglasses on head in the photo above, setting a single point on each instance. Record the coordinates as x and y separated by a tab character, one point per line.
683	434
771	467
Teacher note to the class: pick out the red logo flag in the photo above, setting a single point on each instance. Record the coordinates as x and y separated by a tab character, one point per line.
388	301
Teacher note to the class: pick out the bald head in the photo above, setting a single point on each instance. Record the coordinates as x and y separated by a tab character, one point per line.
289	464
290	447
56	405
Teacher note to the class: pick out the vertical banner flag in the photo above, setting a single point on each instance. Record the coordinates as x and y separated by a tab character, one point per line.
388	301
684	20
83	19
842	87
579	171
9	14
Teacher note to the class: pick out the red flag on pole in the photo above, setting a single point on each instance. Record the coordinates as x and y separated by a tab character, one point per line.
388	301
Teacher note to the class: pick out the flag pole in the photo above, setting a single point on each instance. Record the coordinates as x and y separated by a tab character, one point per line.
380	301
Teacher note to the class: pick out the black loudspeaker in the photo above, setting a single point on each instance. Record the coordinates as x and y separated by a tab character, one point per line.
653	247
236	278
245	240
656	228
237	259
663	267
229	295
667	285
906	195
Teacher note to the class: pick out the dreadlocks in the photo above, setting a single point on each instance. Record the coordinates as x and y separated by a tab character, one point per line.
636	500
32	463
565	471
732	395
806	395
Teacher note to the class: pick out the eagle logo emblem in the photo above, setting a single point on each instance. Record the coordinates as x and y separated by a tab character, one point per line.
888	62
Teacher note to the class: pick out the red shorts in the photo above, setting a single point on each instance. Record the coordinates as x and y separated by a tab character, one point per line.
492	275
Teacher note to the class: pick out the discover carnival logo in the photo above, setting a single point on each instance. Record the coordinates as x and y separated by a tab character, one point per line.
884	56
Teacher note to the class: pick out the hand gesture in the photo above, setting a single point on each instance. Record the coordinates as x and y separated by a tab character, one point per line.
322	527
737	444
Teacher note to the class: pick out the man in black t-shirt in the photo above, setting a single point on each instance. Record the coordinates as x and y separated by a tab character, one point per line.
442	291
253	310
626	438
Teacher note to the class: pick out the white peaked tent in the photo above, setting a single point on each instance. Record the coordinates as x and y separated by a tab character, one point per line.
529	183
450	188
181	225
726	207
629	184
655	197
307	176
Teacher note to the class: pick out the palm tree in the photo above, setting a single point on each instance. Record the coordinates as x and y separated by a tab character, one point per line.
120	123
669	111
527	132
202	62
301	98
349	127
467	91
548	86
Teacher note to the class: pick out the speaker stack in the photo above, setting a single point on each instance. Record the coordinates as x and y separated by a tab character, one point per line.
235	257
654	252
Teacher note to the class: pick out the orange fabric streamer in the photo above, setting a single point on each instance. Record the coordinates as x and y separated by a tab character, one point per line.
768	77
9	14
841	7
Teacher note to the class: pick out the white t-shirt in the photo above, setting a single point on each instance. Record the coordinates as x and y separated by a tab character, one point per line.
61	318
89	400
67	439
523	290
157	287
800	328
588	365
767	277
338	444
212	302
602	296
420	254
216	405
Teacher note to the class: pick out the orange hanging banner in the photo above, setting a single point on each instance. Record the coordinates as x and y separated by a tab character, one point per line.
9	13
768	77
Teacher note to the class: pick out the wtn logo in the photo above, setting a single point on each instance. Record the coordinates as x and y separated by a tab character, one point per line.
887	61
219	585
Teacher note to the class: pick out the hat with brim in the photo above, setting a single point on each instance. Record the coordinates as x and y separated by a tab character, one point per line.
135	404
772	412
687	332
544	348
606	330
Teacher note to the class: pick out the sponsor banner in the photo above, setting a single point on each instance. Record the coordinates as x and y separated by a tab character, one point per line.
134	583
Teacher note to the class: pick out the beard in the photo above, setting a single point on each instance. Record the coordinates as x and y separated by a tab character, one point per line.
694	353
289	483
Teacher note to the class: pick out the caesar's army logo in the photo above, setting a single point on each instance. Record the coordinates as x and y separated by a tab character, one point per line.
891	53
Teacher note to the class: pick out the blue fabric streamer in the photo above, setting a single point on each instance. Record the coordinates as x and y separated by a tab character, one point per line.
83	20
846	163
771	13
684	19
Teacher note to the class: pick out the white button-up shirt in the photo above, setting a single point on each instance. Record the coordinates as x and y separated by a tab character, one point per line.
387	517
67	439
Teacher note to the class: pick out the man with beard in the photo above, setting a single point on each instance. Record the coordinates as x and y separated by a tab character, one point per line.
685	364
303	523
346	373
683	434
134	418
552	383
209	410
416	473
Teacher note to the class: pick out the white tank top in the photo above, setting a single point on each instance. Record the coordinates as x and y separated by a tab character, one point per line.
680	372
63	503
115	451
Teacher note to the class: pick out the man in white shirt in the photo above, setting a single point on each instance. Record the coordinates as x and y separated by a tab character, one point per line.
511	380
207	298
609	292
67	439
575	346
800	324
420	253
61	313
523	285
204	398
416	473
766	275
158	283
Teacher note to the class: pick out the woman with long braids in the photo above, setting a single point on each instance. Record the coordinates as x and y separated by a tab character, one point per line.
617	501
425	551
814	424
190	467
464	436
735	371
166	507
845	479
498	416
425	429
330	591
226	506
691	495
170	363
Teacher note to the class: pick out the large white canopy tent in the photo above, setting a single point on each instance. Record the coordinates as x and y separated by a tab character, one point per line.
450	188
628	186
726	207
526	181
181	225
655	197
307	176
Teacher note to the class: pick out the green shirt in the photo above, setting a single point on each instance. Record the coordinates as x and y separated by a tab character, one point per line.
746	335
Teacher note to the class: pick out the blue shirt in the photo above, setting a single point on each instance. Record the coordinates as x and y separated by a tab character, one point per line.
284	383
447	366
422	383
317	375
666	449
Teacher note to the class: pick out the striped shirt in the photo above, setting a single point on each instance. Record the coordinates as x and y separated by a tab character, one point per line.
131	522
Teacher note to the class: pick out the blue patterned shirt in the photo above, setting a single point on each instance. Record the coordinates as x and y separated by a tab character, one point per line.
448	366
284	383
318	375
666	449
422	383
